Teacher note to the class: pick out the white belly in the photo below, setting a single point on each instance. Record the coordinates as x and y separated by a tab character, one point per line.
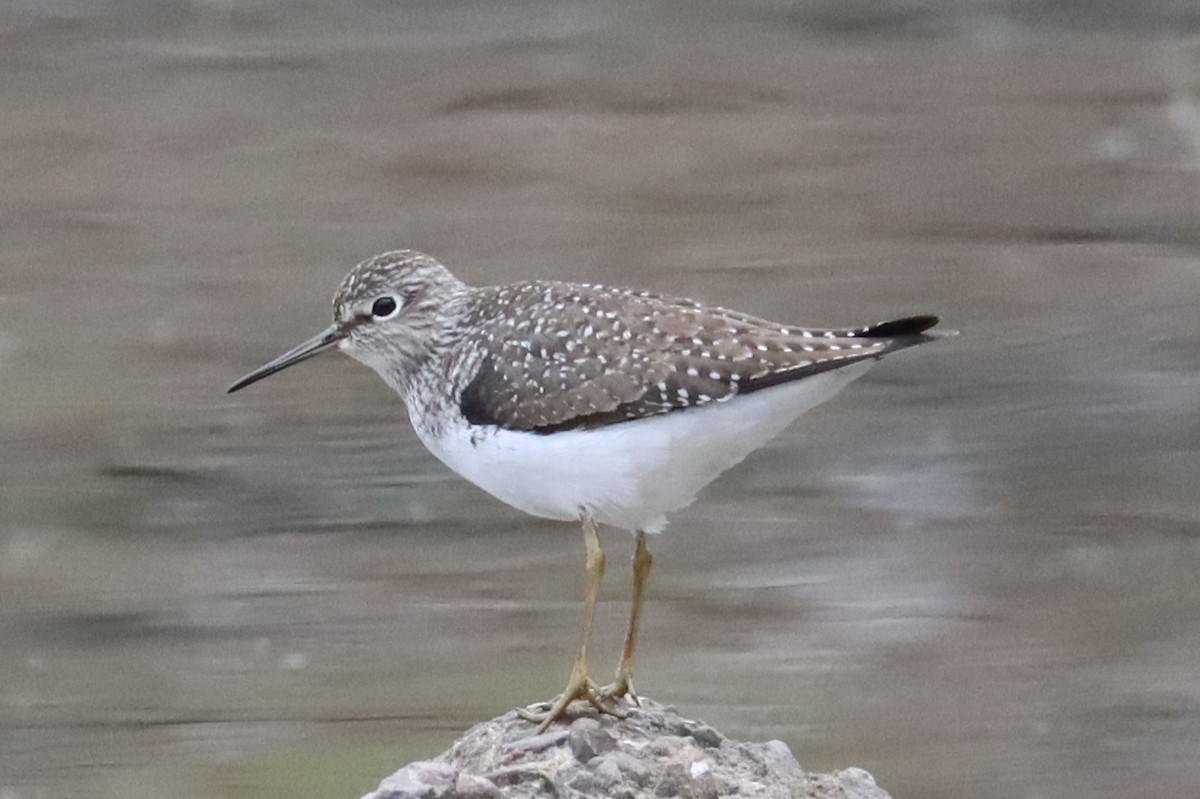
632	474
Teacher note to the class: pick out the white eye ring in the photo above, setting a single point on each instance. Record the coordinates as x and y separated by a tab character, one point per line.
385	307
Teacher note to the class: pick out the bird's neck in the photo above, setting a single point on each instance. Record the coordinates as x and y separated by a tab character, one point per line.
419	361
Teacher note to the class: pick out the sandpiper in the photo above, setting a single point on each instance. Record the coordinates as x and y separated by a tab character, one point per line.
586	403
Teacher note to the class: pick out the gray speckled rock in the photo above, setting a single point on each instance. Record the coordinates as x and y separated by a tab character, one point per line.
653	753
424	779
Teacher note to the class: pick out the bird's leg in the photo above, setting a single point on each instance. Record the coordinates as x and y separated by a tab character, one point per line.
642	561
578	684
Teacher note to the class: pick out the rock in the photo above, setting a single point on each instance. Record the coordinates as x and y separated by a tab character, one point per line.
629	765
653	753
522	775
537	743
587	738
424	779
607	772
859	784
706	736
665	745
472	786
690	773
778	759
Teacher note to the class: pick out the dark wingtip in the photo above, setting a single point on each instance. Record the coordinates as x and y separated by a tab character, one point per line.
908	326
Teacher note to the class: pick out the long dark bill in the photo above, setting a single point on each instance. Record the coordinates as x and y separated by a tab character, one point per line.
314	346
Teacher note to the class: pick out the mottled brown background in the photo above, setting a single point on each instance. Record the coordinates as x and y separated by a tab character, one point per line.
974	574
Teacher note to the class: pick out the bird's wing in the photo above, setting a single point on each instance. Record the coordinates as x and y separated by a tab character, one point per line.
590	356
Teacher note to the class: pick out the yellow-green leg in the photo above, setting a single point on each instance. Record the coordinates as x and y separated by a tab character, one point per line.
578	684
642	561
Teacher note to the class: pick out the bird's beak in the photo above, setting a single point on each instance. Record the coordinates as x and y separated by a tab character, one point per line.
314	346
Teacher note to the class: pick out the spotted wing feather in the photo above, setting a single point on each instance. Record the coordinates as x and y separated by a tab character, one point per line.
559	356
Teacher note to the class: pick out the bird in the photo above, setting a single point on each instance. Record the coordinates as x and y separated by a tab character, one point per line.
587	403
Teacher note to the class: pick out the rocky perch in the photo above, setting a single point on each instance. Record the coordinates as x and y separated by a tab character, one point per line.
653	753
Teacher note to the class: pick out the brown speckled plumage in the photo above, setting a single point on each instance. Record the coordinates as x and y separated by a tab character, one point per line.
547	356
552	356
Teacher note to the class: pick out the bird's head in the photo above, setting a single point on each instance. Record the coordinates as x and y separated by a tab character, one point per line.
386	314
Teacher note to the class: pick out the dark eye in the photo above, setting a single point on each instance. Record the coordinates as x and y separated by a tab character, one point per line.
384	307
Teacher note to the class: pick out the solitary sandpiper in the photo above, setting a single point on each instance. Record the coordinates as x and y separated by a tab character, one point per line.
587	403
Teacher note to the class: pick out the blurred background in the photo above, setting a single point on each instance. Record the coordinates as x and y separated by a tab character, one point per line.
974	575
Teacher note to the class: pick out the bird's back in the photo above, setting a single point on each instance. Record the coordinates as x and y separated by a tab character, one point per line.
553	356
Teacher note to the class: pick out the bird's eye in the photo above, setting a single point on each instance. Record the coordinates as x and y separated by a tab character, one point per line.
385	308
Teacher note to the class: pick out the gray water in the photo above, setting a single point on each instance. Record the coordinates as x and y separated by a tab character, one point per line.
973	574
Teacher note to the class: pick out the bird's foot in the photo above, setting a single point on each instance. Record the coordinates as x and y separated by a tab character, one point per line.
578	687
621	689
